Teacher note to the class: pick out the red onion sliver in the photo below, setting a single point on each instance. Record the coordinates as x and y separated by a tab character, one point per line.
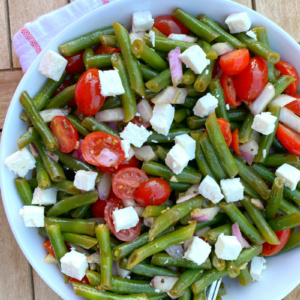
104	186
175	66
175	250
33	150
237	233
205	214
78	153
163	283
248	157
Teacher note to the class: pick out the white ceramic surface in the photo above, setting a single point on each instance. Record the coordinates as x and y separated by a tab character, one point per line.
282	274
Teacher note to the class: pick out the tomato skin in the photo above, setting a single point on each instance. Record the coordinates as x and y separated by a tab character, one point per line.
168	24
289	138
225	129
83	280
154	191
133	163
140	122
295	105
75	63
102	49
286	68
126	181
125	235
98	208
88	92
283	237
65	133
250	82
226	82
234	62
95	142
65	84
235	141
49	248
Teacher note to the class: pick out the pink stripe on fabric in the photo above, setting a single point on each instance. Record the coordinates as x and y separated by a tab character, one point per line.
29	37
105	1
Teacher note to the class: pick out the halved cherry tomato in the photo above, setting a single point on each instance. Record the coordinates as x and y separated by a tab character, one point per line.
289	138
283	237
72	103
75	63
168	24
225	129
125	235
98	208
65	133
295	105
102	149
235	141
140	122
65	84
133	163
79	114
49	248
102	49
126	181
217	72
154	191
250	82
234	62
226	82
286	68
83	280
88	92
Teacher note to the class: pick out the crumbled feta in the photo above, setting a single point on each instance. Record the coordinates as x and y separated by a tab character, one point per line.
250	147
125	145
222	48
257	266
177	159
264	123
110	83
209	189
33	216
125	218
44	197
136	135
152	37
145	153
289	175
232	189
20	162
136	36
197	251
52	65
49	114
74	264
252	34
187	143
205	105
227	247
227	107
142	21
238	22
162	118
85	180
264	153
183	37
195	58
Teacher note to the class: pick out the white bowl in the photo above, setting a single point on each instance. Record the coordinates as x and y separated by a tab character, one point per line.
282	274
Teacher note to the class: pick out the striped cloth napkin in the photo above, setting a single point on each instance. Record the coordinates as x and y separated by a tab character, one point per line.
29	41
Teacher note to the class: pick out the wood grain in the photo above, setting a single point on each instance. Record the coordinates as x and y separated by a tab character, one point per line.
247	3
4	49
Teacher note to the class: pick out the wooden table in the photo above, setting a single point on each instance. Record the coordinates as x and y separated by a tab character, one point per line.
17	279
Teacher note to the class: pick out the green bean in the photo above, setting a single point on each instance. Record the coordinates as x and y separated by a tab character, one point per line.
169	138
179	186
173	215
245	277
249	190
187	295
154	211
213	234
131	63
277	159
181	114
282	83
71	47
32	183
285	222
258	48
80	212
292	243
208	49
202	163
57	241
111	102
161	243
24	190
220	145
224	35
77	124
66	186
36	119
246	129
88	52
218	263
28	137
287	207
219	218
109	40
99	61
73	202
188	77
278	146
128	98
275	198
159	82
158	297
197	27
260	222
203	80
246	227
91	124
161	152
148	73
190	102
232	269
93	277
62	98
42	176
83	241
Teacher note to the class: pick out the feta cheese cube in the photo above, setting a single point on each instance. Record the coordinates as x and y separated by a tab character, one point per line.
187	143
162	118
74	264
252	34
44	197
136	135
152	37
222	48
264	123
52	65
125	218
110	83
289	175
125	144
177	159
142	21
195	58
145	153
136	36
183	37
49	114
33	216
20	162
227	247
85	180
250	147
209	189
205	105
197	251
232	189
257	266
238	22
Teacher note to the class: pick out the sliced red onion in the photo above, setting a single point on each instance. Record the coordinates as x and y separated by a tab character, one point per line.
145	153
175	250
205	214
175	66
79	114
48	114
184	198
237	233
104	186
110	115
145	110
115	268
79	249
128	203
121	272
187	243
163	283
183	37
94	258
139	210
171	95
282	100
257	203
78	153
248	157
53	156
250	147
148	222
107	158
192	190
200	233
222	48
112	125
290	119
33	150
